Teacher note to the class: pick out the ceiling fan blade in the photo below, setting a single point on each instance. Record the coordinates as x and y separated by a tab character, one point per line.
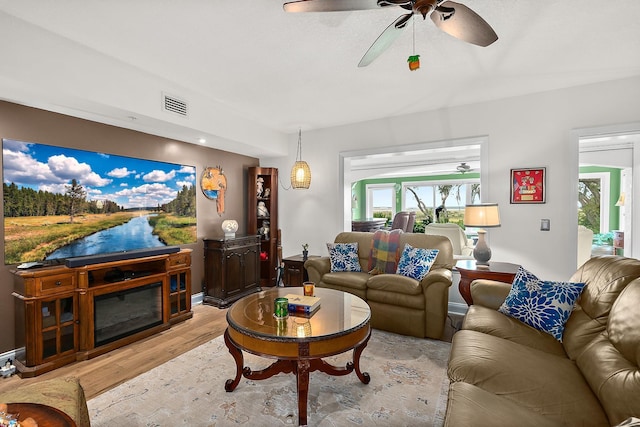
463	23
329	5
384	40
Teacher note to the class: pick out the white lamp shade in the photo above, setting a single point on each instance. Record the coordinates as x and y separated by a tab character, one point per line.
229	227
482	216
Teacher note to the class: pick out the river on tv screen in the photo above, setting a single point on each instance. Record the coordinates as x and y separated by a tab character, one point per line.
61	203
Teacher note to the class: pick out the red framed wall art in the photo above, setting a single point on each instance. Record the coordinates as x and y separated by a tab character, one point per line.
528	185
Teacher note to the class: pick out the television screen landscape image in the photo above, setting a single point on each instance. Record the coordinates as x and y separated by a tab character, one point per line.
62	203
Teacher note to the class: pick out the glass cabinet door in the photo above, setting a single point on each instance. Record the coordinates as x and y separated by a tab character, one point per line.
179	297
58	326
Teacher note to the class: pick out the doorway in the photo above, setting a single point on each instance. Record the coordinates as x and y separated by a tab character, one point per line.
605	193
407	160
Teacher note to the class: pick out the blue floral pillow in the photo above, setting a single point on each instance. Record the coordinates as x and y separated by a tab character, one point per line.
344	257
541	304
416	262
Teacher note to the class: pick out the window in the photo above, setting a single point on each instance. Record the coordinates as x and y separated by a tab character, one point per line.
442	201
381	200
593	201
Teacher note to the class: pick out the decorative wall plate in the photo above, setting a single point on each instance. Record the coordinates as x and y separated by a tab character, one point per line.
214	184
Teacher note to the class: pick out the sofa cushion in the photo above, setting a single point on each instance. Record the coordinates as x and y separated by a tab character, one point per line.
468	405
542	304
611	362
385	251
492	322
350	279
550	385
344	256
395	283
416	262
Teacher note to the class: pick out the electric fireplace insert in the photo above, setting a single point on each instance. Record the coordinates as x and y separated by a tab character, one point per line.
123	313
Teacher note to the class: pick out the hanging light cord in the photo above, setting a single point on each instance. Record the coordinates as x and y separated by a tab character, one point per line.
299	155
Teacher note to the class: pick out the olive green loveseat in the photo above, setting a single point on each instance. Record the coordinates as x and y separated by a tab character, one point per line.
398	304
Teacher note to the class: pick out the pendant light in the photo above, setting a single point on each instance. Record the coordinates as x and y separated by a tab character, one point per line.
300	172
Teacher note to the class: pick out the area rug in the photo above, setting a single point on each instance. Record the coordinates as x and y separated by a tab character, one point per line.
408	388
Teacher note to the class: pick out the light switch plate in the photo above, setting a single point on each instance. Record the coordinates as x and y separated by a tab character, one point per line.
545	224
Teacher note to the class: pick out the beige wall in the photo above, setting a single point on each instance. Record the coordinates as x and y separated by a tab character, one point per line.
32	125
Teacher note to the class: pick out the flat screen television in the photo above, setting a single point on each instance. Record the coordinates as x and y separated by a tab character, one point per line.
61	203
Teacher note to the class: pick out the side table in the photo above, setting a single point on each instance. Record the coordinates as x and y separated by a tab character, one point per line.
469	271
294	271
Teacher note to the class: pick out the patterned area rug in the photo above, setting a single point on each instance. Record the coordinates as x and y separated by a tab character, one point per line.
408	388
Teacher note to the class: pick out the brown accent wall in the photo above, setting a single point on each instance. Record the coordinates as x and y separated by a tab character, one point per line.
27	124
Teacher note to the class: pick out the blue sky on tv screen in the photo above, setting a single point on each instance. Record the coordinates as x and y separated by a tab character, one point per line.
128	181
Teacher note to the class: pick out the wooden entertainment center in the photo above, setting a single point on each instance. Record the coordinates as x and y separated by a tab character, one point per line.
65	314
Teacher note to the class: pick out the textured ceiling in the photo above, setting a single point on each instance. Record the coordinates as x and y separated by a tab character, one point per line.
287	71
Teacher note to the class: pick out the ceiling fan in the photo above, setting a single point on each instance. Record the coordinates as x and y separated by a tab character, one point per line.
453	18
463	168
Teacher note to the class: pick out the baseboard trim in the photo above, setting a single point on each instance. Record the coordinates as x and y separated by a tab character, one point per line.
196	299
458	308
11	354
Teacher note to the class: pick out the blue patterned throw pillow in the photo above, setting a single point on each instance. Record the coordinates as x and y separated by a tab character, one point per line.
344	257
541	304
416	262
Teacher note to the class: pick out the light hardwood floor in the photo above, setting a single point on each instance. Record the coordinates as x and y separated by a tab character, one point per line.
104	372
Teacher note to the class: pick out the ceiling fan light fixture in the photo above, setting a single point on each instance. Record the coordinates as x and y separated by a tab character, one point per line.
463	167
300	172
453	18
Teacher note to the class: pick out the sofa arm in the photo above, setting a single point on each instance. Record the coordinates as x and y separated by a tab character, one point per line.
489	293
65	394
442	275
317	267
435	287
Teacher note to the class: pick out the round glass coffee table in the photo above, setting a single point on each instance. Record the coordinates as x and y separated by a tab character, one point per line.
298	342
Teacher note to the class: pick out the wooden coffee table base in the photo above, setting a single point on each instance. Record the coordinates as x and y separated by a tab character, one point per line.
308	359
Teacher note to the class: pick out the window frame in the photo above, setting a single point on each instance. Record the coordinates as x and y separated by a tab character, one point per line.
435	183
369	188
605	196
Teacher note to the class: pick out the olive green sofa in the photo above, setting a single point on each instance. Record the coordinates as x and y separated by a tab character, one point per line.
503	372
398	304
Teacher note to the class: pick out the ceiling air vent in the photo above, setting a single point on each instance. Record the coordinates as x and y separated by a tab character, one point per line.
174	105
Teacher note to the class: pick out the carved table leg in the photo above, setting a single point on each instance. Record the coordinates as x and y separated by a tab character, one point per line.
231	384
302	381
364	376
302	378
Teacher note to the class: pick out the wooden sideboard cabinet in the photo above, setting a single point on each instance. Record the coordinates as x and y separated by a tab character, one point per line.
231	269
65	314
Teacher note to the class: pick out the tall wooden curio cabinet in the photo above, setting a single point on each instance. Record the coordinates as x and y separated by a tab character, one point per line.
263	219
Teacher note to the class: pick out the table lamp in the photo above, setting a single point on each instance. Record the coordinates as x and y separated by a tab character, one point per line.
482	216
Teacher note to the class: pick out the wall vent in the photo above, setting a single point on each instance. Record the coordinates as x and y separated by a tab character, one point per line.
174	105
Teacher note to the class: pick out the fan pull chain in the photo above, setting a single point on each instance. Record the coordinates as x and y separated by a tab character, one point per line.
413	24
